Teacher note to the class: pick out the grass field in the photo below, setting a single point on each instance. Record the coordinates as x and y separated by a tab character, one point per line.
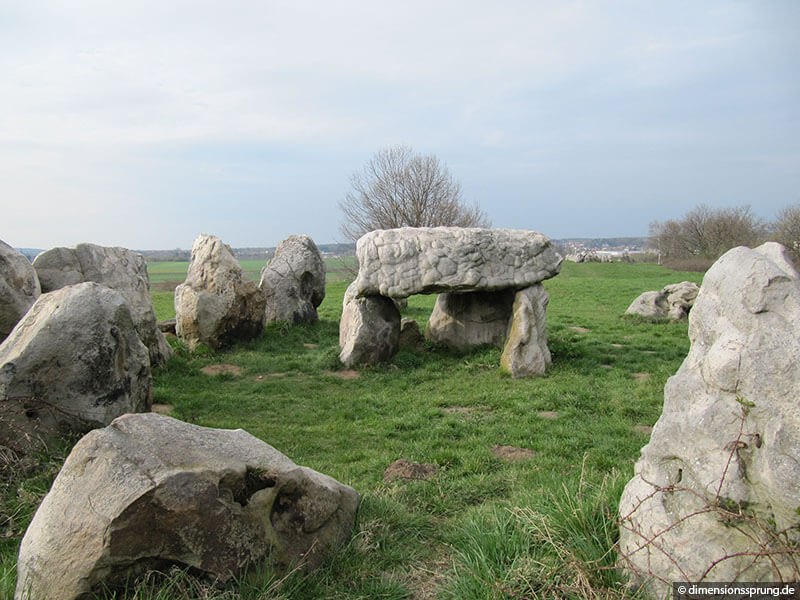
484	527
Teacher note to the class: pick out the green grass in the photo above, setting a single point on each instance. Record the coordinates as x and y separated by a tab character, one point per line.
484	527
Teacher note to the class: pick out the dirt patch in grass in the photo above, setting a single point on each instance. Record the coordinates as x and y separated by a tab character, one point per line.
644	429
512	453
548	414
310	346
221	369
640	376
580	329
403	469
606	366
425	579
161	409
346	374
617	345
165	286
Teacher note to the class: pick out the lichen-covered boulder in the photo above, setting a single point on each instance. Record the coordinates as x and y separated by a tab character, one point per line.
74	362
422	260
525	353
715	493
293	282
470	319
369	330
217	304
117	268
19	288
149	491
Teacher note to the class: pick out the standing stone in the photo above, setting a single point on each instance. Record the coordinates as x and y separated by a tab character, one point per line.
117	268
727	444
410	335
19	288
525	353
149	491
217	304
470	319
74	362
369	331
293	282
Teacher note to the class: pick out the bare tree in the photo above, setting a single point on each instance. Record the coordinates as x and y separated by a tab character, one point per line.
704	234
399	188
787	230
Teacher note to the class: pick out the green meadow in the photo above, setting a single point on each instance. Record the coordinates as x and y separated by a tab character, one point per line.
539	523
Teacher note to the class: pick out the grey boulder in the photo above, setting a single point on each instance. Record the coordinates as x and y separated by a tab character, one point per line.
19	288
217	304
149	491
715	493
673	302
470	319
369	331
293	281
74	362
525	353
117	268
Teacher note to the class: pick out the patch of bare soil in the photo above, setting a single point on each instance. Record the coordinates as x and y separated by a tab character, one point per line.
548	414
640	376
617	345
425	579
580	329
270	376
512	453
346	374
645	429
606	367
220	369
162	409
310	346
403	469
165	286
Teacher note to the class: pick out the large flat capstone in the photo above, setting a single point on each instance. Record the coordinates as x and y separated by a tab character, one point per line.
423	260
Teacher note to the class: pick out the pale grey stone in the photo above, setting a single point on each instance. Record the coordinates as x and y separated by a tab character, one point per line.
117	268
149	490
217	304
470	319
369	331
421	260
293	282
525	353
19	288
673	302
743	330
74	362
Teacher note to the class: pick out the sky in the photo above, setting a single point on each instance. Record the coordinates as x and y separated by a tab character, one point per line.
144	123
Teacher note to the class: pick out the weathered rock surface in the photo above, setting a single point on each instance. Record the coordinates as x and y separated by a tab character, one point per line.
470	319
217	304
117	268
74	362
525	353
673	302
734	464
410	335
369	331
293	282
401	262
19	288
149	490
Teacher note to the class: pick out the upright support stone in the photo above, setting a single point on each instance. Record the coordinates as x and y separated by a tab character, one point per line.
470	319
525	353
369	332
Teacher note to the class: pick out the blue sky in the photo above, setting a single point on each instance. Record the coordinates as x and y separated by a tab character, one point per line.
144	123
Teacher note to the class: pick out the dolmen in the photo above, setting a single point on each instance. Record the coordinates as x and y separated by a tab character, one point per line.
715	494
489	281
149	491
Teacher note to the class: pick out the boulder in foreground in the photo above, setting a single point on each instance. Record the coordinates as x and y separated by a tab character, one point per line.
149	491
